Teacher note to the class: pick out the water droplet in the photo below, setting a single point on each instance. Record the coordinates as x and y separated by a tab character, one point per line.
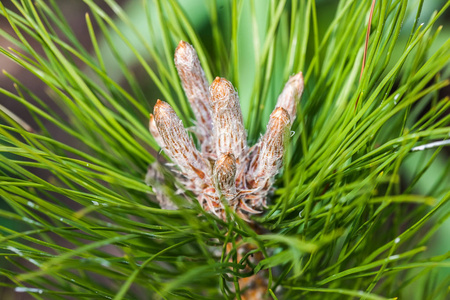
15	250
34	262
32	205
102	261
28	220
292	133
397	240
22	289
300	213
95	203
393	257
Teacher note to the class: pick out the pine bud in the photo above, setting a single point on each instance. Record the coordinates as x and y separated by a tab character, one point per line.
229	132
268	161
242	176
179	146
195	87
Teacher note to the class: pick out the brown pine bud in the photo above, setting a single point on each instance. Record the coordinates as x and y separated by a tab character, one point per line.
229	132
291	95
225	176
179	146
268	161
195	87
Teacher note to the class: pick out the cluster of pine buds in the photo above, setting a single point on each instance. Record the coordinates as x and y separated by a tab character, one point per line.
225	169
